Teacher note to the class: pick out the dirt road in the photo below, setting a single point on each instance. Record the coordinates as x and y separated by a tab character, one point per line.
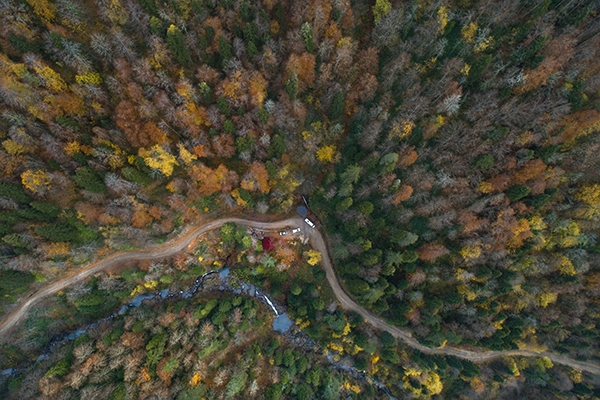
318	242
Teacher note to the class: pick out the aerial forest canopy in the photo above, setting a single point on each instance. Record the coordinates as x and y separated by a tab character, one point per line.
449	149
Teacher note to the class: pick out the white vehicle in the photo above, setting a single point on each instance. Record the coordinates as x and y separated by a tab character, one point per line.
283	233
294	231
309	222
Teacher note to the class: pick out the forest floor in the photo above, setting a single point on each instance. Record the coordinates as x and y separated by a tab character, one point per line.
318	243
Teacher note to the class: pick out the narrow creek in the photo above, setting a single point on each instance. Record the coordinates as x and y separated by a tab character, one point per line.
281	324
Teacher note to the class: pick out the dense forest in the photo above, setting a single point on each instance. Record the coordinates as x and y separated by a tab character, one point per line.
448	149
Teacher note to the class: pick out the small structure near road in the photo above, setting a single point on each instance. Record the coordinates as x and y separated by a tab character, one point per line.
303	211
268	243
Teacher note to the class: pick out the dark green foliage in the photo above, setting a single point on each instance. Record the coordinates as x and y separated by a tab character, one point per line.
59	232
207	204
66	121
95	303
274	392
277	147
225	49
296	289
14	282
337	106
251	32
229	126
350	269
136	176
156	26
15	192
23	45
279	14
306	32
390	356
418	225
149	6
49	211
252	50
60	369
113	336
228	231
177	45
10	217
291	86
576	96
477	69
247	197
90	180
5	228
546	152
357	286
344	204
517	192
263	116
539	8
366	208
497	134
523	31
469	369
223	106
16	240
244	143
387	339
484	162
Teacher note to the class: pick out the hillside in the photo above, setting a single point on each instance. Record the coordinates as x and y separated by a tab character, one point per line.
448	151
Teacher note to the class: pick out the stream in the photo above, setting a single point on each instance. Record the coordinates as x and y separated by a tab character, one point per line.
281	323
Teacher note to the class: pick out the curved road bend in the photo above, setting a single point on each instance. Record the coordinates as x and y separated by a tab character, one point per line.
180	244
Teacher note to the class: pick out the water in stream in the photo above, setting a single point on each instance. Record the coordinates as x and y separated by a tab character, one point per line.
281	323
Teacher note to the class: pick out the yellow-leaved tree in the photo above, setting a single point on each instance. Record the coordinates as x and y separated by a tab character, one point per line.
36	181
326	154
381	9
313	257
159	158
590	196
14	148
52	80
185	156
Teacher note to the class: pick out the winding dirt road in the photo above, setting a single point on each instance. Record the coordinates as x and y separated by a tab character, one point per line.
318	242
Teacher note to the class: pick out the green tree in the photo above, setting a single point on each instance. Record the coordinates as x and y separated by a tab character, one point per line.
381	9
318	304
225	49
59	232
89	179
49	210
337	106
366	208
274	392
291	86
236	384
14	282
228	232
517	192
306	32
15	192
387	339
351	174
177	45
136	176
296	289
484	162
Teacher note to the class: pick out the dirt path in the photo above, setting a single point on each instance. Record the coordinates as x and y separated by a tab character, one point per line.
180	244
